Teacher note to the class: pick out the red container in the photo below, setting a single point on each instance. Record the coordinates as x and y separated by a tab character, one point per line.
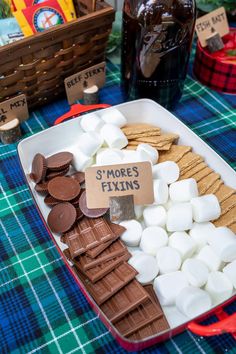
212	72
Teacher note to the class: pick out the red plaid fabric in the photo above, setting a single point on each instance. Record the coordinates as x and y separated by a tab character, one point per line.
213	73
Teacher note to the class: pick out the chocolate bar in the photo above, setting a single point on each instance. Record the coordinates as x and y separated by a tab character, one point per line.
103	289
98	272
124	301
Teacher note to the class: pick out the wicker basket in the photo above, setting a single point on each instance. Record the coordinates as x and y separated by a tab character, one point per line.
38	65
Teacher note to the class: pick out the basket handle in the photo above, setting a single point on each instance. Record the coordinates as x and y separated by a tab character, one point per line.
226	324
77	109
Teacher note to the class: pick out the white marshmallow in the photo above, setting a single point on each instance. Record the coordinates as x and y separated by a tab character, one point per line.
143	156
230	272
154	215
130	156
109	157
168	171
183	243
179	217
196	272
113	136
161	191
174	317
132	235
183	191
200	232
134	250
168	286
168	259
223	242
168	204
138	210
219	287
146	266
91	122
150	150
81	161
89	143
193	302
153	237
205	208
114	116
210	258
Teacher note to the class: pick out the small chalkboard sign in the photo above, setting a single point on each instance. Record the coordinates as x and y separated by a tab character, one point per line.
104	182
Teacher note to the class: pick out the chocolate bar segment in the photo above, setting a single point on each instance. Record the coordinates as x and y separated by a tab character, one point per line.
98	272
103	289
124	301
117	248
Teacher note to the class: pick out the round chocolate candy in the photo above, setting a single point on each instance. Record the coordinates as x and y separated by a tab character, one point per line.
41	187
59	161
79	176
90	213
63	188
62	217
39	168
50	201
53	174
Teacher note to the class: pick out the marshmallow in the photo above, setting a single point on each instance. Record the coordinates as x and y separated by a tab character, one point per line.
130	156
138	211
219	287
89	143
230	272
91	122
183	191
134	250
200	232
161	192
205	208
168	259
168	286
196	272
210	258
168	171
154	215
113	136
193	302
81	161
179	217
143	156
223	242
132	235
153	237
109	157
174	317
150	151
183	243
114	116
146	266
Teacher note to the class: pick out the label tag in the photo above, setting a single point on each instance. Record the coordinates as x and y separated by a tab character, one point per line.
15	107
215	21
75	84
103	182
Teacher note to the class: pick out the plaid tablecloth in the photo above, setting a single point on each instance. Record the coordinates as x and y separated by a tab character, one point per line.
41	307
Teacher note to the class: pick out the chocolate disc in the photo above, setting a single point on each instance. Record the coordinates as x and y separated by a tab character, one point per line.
79	213
61	217
59	161
53	174
90	213
50	201
39	168
41	187
79	176
63	188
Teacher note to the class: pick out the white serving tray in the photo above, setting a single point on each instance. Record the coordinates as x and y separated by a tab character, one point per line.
65	136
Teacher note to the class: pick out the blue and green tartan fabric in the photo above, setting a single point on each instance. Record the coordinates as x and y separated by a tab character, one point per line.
42	309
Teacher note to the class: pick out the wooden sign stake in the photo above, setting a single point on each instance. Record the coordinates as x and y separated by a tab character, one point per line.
214	42
121	208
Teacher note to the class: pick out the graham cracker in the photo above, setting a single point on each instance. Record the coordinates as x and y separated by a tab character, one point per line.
157	139
207	182
192	171
202	174
175	153
228	204
138	130
188	162
215	186
224	192
227	219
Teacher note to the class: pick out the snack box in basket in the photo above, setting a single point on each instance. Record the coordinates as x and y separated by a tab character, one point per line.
140	111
